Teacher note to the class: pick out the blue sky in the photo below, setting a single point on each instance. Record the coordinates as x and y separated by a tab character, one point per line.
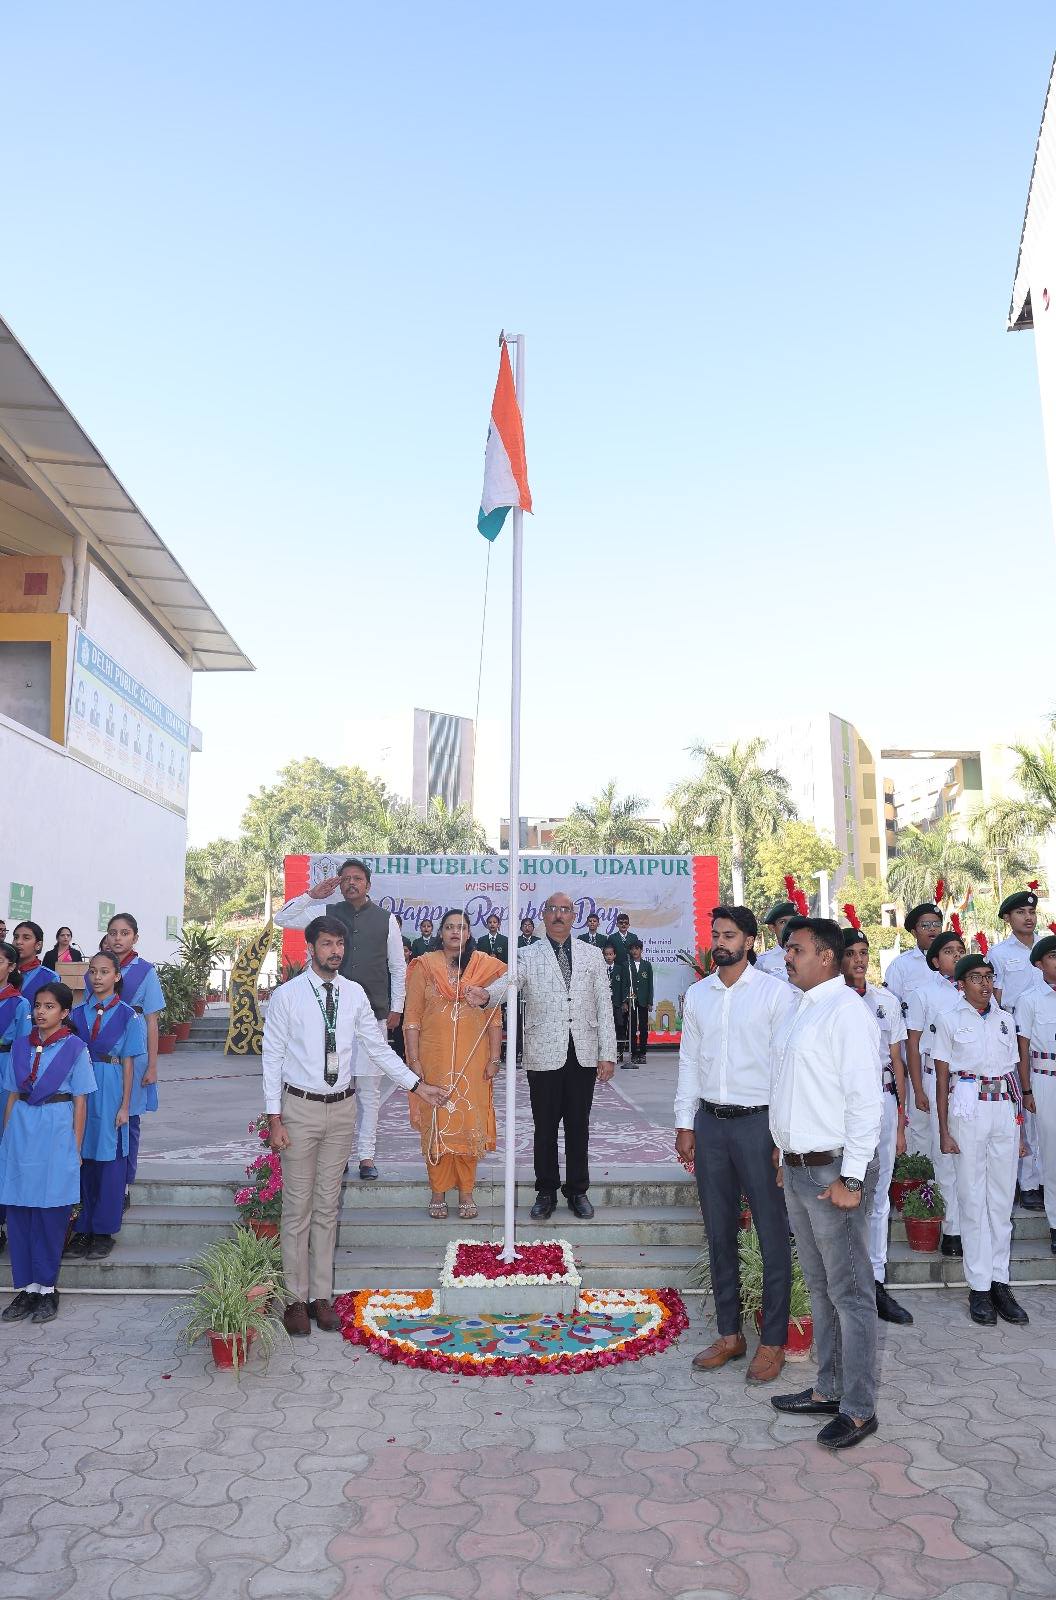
783	453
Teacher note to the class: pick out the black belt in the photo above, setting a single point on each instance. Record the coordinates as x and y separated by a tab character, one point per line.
730	1111
106	1060
813	1158
48	1100
324	1099
5	1049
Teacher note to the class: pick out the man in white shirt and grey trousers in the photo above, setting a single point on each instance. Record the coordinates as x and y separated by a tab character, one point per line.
316	1024
729	1021
826	1108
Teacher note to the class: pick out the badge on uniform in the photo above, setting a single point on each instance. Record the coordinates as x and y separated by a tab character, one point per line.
330	1070
881	1013
1004	1027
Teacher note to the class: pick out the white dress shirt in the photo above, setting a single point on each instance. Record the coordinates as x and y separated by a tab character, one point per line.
825	1089
302	909
295	1039
727	1034
983	1044
772	961
1014	975
906	973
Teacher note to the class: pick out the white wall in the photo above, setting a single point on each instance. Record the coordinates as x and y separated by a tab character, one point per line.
127	636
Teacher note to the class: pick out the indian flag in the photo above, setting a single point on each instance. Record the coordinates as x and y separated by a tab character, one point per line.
505	467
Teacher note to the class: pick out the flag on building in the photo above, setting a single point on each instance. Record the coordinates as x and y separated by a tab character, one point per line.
505	467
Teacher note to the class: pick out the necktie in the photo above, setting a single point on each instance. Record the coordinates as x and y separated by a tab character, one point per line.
330	1072
37	1054
565	964
97	1024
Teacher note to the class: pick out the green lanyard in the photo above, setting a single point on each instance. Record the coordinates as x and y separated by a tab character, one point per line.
331	1032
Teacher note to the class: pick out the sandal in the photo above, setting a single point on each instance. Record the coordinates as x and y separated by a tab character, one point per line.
438	1210
467	1210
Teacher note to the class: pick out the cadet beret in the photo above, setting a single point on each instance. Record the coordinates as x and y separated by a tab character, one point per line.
1016	902
939	942
782	908
1044	947
852	936
914	916
969	963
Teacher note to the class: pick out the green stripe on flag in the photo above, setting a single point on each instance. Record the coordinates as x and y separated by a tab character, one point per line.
490	523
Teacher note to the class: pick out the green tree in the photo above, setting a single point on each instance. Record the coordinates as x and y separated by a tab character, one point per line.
1035	773
607	826
736	800
926	855
798	848
441	831
867	896
217	881
1006	835
312	808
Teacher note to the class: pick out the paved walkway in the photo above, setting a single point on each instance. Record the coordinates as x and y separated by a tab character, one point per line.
128	1470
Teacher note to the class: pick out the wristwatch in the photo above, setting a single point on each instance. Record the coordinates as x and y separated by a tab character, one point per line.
416	1086
853	1184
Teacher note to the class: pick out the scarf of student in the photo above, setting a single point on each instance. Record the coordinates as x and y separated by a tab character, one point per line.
134	971
9	998
27	1056
111	1026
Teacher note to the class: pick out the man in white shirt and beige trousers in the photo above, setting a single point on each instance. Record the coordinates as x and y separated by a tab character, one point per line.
826	1108
316	1024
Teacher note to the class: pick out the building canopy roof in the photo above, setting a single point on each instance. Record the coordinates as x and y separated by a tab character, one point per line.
1040	215
55	457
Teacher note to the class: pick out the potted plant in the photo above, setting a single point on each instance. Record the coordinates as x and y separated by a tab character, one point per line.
259	1201
199	948
800	1335
232	1305
910	1172
174	988
922	1212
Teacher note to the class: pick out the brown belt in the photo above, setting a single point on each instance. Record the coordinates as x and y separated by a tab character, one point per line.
813	1158
325	1099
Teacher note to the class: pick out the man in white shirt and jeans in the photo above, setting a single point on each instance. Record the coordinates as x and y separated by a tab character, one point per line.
315	1024
826	1107
729	1021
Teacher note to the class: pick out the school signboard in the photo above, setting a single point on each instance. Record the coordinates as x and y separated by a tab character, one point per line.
668	899
119	727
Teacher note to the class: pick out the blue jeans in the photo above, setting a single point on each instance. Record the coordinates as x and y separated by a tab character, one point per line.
833	1248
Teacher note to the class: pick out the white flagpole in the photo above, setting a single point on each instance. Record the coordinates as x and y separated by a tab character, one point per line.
512	1018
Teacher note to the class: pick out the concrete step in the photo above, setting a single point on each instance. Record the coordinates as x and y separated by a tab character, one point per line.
213	1042
156	1186
1032	1261
1025	1225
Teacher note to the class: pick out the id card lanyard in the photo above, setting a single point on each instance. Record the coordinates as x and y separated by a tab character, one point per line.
330	1068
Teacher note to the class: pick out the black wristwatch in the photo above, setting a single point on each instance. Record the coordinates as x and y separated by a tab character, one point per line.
416	1086
853	1184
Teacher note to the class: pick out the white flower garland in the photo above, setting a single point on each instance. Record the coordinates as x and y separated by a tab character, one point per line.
570	1278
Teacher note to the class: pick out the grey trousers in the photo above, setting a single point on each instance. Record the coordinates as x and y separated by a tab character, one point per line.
833	1248
734	1157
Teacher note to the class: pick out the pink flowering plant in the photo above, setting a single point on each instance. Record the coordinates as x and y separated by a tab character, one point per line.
261	1199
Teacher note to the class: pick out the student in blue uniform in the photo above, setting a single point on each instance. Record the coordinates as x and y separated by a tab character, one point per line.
16	1019
47	1076
141	990
28	940
115	1036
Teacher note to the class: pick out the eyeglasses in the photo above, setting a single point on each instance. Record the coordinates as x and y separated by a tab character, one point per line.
559	911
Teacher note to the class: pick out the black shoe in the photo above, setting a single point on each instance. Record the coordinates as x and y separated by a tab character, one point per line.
47	1307
368	1171
127	1200
804	1403
3	1240
580	1206
100	1247
79	1245
951	1245
889	1310
1032	1200
544	1207
633	1064
842	1432
23	1305
1007	1306
981	1308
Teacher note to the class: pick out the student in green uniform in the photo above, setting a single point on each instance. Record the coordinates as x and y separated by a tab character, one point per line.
640	998
618	990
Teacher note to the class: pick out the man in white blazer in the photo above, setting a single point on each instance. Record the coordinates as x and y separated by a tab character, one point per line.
569	1045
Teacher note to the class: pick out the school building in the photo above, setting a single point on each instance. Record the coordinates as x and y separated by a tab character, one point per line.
101	632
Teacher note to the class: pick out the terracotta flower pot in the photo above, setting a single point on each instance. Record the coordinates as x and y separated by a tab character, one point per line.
182	1030
224	1348
199	1005
166	1044
900	1187
797	1340
923	1232
262	1228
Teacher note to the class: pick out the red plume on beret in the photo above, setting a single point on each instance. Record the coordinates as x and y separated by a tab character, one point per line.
983	942
790	886
852	916
940	891
1033	884
1052	927
802	903
955	925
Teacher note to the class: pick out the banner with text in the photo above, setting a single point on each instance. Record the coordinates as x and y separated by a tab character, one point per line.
668	899
119	727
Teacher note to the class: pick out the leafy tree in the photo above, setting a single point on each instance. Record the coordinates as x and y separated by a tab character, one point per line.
867	896
313	808
799	848
441	831
217	881
1035	772
607	826
926	855
736	800
1005	834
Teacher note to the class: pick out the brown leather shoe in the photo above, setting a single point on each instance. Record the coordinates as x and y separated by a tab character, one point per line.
295	1320
727	1347
324	1316
766	1364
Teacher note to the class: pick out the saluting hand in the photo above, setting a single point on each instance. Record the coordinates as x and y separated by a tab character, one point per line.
324	890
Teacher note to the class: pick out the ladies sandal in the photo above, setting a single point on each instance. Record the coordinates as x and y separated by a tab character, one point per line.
438	1210
467	1210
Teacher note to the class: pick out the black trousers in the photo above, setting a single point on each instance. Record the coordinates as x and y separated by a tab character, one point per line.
619	1019
564	1096
639	1030
734	1157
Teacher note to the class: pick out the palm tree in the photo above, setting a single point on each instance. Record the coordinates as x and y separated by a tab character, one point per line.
735	798
606	827
926	855
443	830
1005	834
1035	772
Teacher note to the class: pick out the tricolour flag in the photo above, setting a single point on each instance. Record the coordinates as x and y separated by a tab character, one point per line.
505	467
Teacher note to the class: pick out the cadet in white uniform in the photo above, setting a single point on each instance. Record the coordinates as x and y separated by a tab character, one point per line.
1014	977
908	972
1036	1027
888	1013
979	1121
777	920
926	1005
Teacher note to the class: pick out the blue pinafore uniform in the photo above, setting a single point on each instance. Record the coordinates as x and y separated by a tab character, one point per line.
16	1020
104	1151
141	990
33	977
40	1168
